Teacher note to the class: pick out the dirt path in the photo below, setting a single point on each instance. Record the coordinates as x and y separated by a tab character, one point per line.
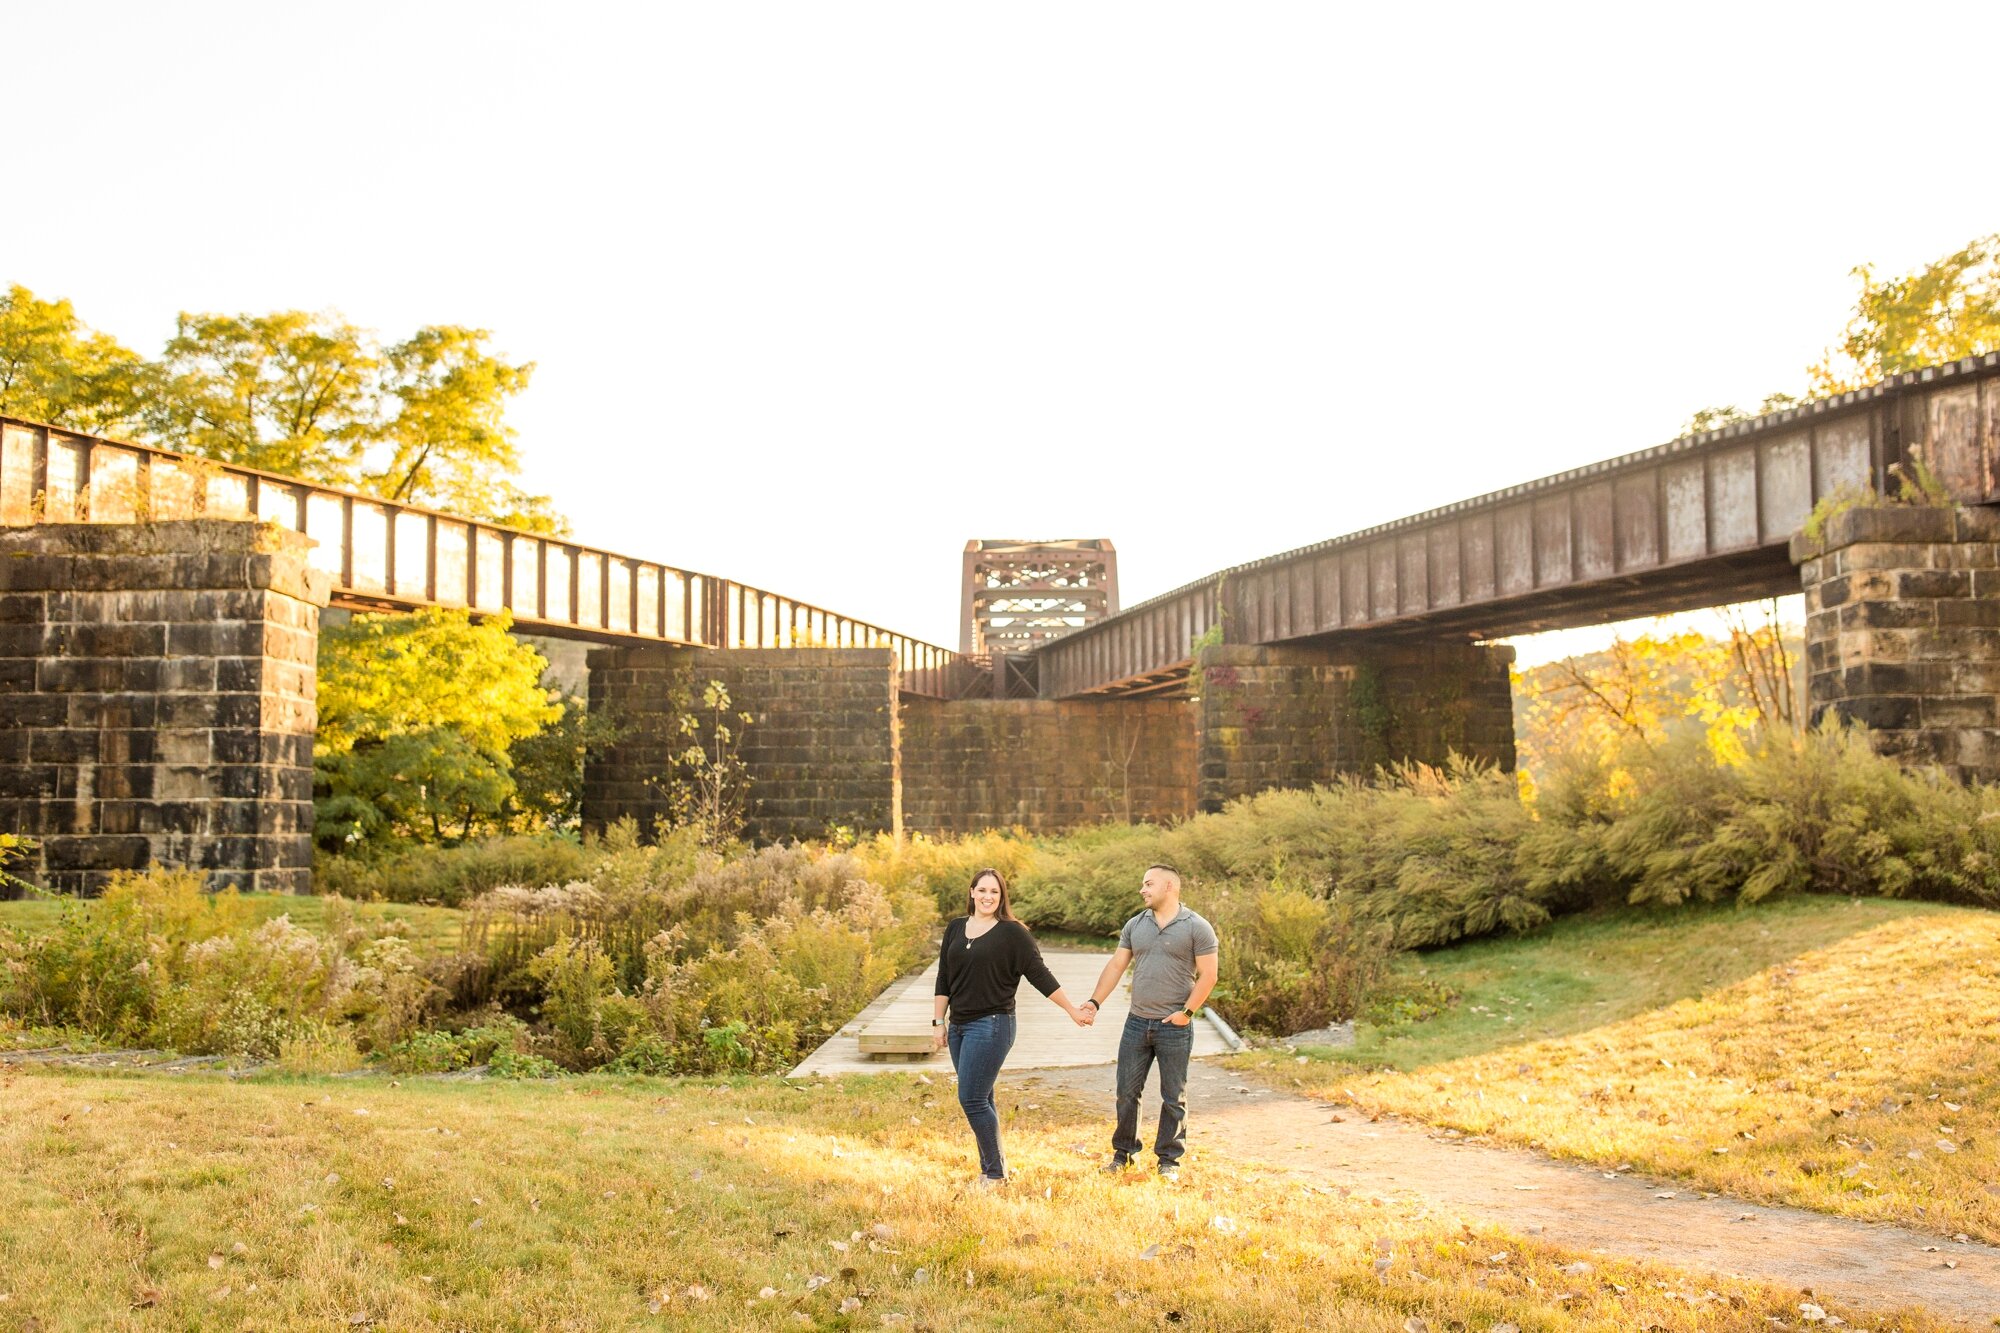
1871	1264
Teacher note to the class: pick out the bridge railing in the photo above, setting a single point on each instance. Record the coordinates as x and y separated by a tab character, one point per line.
388	556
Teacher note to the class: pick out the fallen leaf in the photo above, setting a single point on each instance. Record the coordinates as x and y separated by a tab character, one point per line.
696	1292
216	1260
850	1304
1150	1252
145	1298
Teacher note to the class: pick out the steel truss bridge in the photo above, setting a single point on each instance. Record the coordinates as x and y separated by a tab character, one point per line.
1697	522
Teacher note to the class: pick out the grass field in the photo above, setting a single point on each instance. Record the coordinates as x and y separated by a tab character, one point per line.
432	930
200	1202
1834	1054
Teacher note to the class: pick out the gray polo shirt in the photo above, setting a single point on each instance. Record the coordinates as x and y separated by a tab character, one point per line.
1163	960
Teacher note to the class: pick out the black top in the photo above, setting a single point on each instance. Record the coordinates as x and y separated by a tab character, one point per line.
980	975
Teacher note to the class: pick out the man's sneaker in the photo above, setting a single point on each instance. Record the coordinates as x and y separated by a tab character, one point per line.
1118	1162
1170	1173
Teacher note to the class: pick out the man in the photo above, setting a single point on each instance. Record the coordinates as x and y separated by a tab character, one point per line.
1173	955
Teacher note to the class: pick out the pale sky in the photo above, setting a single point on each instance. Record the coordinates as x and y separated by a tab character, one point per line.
817	292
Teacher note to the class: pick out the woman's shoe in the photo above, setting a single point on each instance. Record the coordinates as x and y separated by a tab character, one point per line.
991	1182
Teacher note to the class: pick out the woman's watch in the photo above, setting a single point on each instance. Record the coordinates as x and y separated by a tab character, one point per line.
939	1022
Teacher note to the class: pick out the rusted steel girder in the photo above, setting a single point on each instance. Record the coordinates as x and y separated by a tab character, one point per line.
1698	522
388	556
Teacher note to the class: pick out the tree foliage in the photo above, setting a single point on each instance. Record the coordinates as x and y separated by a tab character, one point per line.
1641	692
443	435
1942	311
418	715
287	392
53	368
306	394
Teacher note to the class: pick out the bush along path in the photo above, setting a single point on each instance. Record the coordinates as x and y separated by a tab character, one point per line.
1346	1150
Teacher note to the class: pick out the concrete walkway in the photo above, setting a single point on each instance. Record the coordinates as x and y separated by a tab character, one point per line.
1045	1037
1232	1121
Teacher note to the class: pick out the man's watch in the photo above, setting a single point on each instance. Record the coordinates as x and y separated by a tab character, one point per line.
1093	1003
1189	1013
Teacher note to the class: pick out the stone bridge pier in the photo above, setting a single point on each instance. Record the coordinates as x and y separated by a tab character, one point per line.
1903	631
156	700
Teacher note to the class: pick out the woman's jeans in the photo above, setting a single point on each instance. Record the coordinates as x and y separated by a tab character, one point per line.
1144	1041
978	1049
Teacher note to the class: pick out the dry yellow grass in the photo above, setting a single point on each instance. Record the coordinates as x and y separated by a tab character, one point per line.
154	1202
1858	1078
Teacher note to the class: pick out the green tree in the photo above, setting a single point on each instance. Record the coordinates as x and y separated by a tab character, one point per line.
418	715
289	392
422	421
548	767
445	441
55	369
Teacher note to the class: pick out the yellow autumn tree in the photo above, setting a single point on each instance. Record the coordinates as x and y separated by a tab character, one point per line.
1640	691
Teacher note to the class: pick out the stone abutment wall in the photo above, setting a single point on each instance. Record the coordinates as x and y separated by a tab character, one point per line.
1294	716
1045	764
819	749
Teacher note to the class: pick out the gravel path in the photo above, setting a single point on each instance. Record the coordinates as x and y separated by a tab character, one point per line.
1871	1264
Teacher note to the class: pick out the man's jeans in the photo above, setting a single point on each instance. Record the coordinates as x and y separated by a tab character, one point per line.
1144	1041
978	1049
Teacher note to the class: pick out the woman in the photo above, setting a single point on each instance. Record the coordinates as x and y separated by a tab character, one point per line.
986	953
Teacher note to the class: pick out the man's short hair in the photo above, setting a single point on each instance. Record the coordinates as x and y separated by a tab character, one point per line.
1162	865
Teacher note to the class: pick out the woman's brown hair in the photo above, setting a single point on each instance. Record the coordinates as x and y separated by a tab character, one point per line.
1006	912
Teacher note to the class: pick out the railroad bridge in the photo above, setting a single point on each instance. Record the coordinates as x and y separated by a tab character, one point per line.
159	617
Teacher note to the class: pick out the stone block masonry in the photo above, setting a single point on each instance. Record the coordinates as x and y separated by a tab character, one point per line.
157	700
1903	631
1045	765
827	746
1293	716
820	749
